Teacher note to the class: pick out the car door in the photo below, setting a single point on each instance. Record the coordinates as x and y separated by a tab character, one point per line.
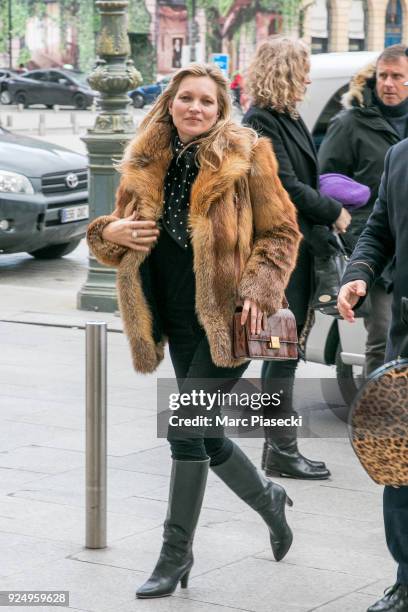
34	84
60	86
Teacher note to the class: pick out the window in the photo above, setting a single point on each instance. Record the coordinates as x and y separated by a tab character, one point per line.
319	25
357	27
56	77
393	23
37	76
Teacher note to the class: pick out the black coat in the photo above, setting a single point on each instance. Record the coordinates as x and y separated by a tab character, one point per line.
356	144
299	173
385	236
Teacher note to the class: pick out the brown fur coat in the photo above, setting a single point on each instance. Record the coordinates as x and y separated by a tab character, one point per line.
258	229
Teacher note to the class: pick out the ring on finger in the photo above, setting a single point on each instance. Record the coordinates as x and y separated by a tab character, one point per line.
134	234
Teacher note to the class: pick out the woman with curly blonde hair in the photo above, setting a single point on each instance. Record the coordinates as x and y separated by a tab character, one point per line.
186	254
277	81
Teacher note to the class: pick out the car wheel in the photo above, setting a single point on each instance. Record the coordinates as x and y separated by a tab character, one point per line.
138	101
49	106
349	378
55	251
80	102
21	98
5	97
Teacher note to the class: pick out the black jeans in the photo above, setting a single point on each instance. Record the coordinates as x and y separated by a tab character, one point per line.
191	358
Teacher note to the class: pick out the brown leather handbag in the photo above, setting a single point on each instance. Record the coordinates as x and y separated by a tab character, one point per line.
277	340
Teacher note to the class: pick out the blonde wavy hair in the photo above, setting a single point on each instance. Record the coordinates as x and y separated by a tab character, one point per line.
213	143
276	75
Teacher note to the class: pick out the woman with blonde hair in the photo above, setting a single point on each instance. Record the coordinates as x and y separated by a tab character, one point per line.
276	82
186	253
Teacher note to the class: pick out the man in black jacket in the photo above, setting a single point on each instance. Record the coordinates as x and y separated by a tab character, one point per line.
374	119
385	236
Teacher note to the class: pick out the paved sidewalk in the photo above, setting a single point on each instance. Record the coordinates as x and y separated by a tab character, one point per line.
338	562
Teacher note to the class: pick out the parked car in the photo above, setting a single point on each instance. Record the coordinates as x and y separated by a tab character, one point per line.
332	341
48	87
5	73
43	197
148	93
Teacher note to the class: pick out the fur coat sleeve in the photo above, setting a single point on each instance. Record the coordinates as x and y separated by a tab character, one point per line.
106	252
276	233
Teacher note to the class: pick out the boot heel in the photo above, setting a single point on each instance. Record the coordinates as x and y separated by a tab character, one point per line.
184	580
289	502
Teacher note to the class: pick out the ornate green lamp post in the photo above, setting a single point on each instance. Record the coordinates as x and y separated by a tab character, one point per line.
113	77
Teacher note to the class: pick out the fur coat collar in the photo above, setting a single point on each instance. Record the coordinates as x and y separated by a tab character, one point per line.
360	92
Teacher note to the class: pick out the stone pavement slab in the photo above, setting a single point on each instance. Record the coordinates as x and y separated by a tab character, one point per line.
349	603
255	584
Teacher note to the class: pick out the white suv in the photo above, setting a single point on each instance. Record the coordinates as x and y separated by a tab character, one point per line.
333	341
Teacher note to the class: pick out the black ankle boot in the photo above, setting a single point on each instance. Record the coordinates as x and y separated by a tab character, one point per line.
267	498
287	461
395	600
187	486
318	464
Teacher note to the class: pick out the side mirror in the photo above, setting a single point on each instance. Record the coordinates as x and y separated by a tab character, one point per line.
62	82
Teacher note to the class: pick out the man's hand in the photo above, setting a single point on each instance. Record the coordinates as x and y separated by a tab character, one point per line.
349	295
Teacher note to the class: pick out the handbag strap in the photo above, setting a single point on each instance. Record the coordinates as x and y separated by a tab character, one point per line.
341	243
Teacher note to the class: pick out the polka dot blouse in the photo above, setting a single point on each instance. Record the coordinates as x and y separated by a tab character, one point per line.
179	179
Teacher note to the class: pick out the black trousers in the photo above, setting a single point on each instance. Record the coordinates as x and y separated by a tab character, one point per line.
191	358
396	528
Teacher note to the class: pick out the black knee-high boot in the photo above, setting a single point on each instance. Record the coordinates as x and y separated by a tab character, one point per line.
267	498
187	486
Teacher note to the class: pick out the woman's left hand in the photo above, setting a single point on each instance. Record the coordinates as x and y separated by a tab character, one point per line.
256	316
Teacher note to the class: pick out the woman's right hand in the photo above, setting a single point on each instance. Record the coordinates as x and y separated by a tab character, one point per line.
136	235
343	221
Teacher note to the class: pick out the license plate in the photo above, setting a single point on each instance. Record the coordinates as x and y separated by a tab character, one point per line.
74	213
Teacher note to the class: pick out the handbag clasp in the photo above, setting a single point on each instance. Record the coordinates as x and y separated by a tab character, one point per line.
274	342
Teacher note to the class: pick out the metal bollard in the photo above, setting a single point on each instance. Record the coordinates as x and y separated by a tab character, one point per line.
74	123
41	125
96	434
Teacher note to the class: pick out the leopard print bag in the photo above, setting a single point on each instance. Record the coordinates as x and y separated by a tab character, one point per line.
378	424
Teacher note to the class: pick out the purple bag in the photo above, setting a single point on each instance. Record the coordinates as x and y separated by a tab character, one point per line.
345	190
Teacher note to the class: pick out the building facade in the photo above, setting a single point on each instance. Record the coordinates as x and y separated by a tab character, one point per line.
327	25
162	32
355	25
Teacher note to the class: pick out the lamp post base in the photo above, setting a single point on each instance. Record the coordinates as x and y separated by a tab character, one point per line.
99	291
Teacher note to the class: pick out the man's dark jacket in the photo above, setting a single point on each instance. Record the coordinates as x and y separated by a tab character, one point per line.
357	141
385	236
